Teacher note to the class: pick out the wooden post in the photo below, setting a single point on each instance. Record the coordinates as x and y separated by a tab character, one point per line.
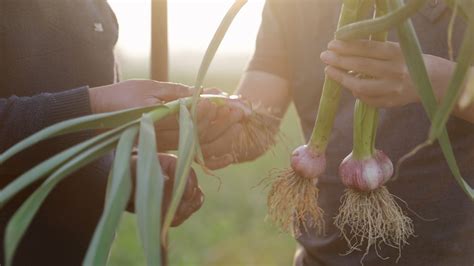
159	40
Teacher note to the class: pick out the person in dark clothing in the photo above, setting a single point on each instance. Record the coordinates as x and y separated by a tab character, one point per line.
57	63
286	66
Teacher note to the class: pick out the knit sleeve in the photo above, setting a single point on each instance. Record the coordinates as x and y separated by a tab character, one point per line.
22	116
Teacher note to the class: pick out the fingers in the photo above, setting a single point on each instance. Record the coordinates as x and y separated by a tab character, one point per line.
217	126
192	198
169	91
387	101
168	163
380	102
214	91
388	83
188	207
168	128
384	93
168	123
212	122
167	140
367	48
214	163
166	91
358	87
224	144
225	118
206	113
191	186
368	66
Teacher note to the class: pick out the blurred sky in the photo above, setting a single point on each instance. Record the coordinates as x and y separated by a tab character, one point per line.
191	26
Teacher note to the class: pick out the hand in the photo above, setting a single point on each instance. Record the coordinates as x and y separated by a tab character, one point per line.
246	140
388	82
134	93
216	124
192	197
269	93
213	121
138	93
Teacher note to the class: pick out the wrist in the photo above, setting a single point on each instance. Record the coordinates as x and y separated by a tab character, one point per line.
95	100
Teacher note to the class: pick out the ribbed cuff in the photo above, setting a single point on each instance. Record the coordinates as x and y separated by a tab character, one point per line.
68	104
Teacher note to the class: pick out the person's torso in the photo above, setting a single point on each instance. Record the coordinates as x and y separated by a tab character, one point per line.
53	46
50	45
425	183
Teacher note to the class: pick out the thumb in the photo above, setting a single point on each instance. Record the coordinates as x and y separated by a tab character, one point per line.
166	91
214	91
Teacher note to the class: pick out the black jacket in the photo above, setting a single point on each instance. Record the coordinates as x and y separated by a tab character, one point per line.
50	52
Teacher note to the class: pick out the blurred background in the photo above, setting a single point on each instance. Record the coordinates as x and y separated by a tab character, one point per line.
230	228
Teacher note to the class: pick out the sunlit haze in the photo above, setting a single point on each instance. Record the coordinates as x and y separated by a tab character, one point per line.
191	25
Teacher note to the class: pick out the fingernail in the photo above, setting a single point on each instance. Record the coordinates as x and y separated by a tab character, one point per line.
201	198
198	203
333	44
326	56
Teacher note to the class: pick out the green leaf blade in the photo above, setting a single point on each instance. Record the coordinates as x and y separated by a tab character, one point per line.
465	6
97	121
116	201
186	153
50	164
364	28
149	192
413	56
212	49
22	218
465	59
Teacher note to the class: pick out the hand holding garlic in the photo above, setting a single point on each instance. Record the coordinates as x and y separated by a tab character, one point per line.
390	84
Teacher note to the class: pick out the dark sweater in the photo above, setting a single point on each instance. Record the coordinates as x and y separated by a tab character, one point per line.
50	53
291	38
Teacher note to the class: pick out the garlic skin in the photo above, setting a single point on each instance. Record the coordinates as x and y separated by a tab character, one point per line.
366	174
307	163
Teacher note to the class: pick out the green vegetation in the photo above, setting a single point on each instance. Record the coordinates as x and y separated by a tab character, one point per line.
230	227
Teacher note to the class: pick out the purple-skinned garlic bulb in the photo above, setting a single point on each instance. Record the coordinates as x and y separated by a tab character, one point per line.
366	174
369	215
292	200
308	163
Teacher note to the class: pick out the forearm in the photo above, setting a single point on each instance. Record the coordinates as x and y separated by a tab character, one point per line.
265	83
266	91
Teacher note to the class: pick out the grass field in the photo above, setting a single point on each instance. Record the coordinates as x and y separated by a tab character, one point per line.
230	228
